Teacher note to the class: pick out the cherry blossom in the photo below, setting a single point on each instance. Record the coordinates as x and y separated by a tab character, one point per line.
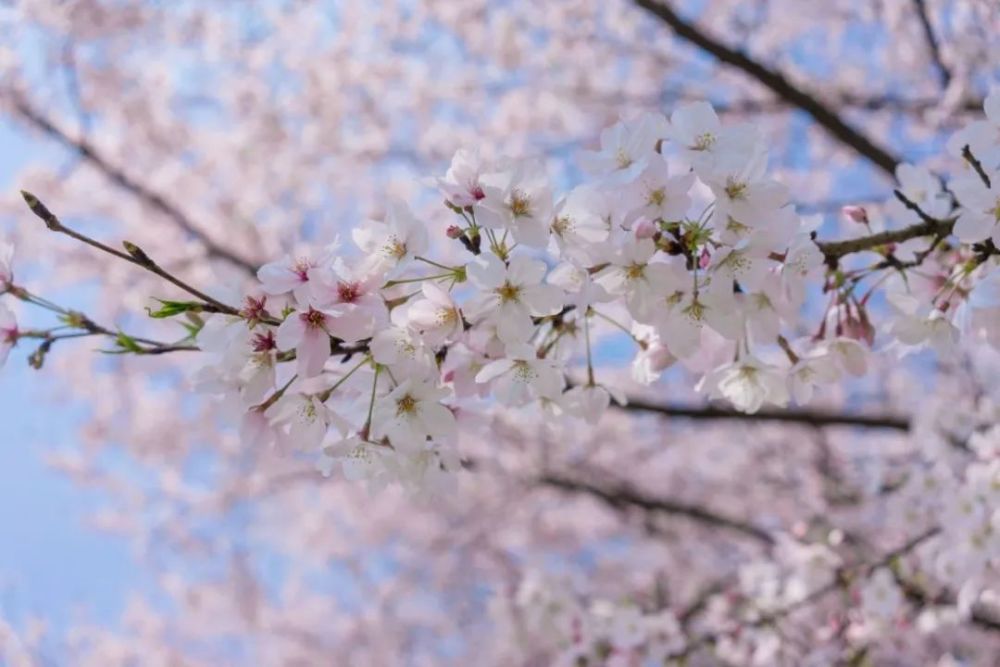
295	274
411	414
461	184
518	199
391	244
708	146
980	215
512	294
521	376
308	333
655	194
749	383
627	148
436	317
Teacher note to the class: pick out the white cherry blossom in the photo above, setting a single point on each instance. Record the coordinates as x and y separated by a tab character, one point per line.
521	376
511	295
411	414
391	244
518	198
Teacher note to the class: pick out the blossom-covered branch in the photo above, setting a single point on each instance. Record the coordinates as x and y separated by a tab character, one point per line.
776	82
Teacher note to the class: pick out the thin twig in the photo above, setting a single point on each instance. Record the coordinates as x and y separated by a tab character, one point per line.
134	254
153	199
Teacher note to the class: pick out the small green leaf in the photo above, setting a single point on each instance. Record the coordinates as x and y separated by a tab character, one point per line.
127	343
172	308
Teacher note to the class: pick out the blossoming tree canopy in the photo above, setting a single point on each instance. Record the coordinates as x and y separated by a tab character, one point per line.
701	388
371	357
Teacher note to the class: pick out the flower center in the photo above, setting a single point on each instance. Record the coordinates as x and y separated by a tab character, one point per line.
406	405
703	141
253	309
736	189
523	371
695	312
301	268
657	197
263	342
394	248
520	204
635	271
314	318
509	292
348	292
735	226
307	411
562	224
623	159
446	317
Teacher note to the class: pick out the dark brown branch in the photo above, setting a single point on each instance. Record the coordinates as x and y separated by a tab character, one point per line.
776	82
932	42
929	226
865	103
808	417
152	199
976	165
623	497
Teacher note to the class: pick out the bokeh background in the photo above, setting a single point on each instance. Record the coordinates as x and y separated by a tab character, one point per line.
219	134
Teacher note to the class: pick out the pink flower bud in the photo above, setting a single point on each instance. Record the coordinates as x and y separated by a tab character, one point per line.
857	214
455	232
644	228
704	259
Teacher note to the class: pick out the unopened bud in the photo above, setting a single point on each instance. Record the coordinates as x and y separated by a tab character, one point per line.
857	214
644	228
39	209
704	258
137	253
455	232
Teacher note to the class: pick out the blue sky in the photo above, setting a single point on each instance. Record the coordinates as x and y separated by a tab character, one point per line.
51	563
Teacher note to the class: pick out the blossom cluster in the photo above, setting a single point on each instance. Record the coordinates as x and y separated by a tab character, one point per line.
552	616
663	245
678	238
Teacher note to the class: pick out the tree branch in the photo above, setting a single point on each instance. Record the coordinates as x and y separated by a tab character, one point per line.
808	417
932	42
622	497
929	226
979	614
842	579
152	199
133	255
776	82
